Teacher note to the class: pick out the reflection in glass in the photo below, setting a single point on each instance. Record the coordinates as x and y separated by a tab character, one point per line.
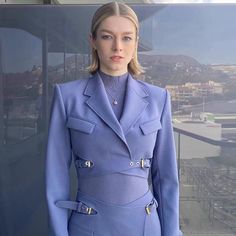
187	49
22	84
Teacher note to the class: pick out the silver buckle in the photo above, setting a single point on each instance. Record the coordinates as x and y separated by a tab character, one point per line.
148	207
88	164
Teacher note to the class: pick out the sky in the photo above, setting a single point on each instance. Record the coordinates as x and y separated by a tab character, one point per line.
206	32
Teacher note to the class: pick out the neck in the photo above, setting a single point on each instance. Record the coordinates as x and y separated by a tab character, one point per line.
113	76
113	81
116	73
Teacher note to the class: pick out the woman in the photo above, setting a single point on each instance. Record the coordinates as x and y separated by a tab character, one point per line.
117	130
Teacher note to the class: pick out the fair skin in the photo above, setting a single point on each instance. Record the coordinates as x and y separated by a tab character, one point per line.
115	44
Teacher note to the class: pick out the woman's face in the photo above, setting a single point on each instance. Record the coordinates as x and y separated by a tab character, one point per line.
115	44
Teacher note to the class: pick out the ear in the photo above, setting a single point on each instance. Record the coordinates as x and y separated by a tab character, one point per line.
92	41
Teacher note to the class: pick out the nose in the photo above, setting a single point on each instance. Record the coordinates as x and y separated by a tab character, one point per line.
117	45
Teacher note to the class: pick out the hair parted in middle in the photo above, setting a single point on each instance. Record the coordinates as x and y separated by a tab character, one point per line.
114	9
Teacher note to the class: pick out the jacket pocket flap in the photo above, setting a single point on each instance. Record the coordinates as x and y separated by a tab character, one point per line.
81	125
150	126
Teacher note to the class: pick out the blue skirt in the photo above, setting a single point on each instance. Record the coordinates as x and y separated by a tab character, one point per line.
138	218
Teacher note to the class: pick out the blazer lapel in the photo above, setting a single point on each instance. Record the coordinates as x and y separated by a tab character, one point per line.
100	104
135	104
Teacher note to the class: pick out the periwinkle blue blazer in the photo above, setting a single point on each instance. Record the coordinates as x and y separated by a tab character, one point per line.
82	123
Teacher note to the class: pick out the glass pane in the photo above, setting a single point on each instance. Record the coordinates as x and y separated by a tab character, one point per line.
22	67
188	49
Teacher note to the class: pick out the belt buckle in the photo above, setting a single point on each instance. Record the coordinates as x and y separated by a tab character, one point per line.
89	210
148	207
142	163
148	211
88	164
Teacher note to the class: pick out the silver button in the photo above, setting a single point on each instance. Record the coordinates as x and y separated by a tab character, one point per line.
131	163
137	163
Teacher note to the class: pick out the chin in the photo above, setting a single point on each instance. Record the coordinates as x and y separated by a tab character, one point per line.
118	67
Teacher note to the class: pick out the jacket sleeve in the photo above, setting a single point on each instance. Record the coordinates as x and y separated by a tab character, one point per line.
165	176
58	161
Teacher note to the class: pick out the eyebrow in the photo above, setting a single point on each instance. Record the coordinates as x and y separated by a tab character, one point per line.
108	31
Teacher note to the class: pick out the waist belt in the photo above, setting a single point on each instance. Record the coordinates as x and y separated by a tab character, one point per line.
82	208
143	163
79	207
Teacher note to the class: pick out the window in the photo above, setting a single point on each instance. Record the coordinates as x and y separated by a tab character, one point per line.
188	49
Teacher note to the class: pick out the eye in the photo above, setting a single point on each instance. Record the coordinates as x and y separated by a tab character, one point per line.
127	38
106	36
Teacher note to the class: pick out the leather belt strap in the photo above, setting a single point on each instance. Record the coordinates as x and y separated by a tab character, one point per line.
76	206
82	208
143	163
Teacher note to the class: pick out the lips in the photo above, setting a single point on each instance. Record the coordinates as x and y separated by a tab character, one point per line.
116	58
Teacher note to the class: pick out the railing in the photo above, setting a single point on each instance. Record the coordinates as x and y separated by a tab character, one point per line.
213	185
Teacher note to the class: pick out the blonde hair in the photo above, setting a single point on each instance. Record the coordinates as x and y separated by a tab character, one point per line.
114	9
